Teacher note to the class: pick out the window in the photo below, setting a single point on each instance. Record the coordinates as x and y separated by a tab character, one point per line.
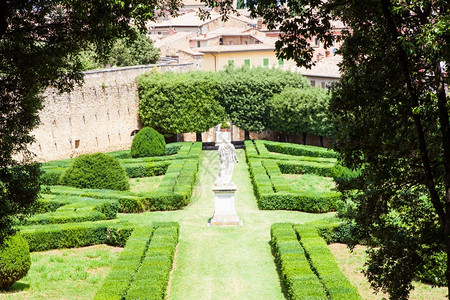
323	85
313	82
231	42
77	144
198	44
231	62
316	42
265	62
247	62
221	41
280	62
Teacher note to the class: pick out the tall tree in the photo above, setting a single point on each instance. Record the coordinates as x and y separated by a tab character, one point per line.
392	120
40	42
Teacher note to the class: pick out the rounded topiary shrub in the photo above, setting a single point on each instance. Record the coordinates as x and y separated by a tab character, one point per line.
96	171
15	260
148	142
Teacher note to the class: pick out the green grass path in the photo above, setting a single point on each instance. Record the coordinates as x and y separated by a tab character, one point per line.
224	262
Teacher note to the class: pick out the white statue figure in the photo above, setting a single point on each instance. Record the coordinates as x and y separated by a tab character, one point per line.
228	157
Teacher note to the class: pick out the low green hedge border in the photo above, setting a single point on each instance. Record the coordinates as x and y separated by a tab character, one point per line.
273	192
74	235
308	269
142	269
294	149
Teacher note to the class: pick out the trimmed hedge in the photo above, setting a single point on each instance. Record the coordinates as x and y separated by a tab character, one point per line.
74	235
298	150
297	277
148	142
146	169
307	267
15	260
323	262
142	269
74	209
274	192
99	170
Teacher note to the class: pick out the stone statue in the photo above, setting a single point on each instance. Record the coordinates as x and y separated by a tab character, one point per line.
228	157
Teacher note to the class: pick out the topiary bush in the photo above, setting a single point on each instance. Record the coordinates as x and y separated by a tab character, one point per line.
96	171
15	260
148	142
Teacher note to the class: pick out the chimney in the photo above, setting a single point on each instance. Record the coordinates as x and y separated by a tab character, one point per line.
259	24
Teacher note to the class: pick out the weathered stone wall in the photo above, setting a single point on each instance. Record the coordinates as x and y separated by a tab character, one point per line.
99	116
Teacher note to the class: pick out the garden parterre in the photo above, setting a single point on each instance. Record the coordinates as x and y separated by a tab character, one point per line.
268	161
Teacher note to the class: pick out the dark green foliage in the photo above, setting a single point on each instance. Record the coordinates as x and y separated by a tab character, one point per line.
98	171
304	110
40	43
391	111
19	188
309	202
148	142
51	176
15	260
57	236
244	93
176	103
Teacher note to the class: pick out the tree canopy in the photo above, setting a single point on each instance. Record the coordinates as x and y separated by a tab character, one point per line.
391	111
40	44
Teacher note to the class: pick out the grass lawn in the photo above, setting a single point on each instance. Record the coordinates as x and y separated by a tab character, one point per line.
310	182
210	262
65	274
351	264
145	184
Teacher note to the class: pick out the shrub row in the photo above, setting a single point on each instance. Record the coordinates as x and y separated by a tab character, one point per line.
297	277
142	269
298	150
307	267
72	210
323	262
261	181
146	169
272	189
308	202
264	152
57	236
152	277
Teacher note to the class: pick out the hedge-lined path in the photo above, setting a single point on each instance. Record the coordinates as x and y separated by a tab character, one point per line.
224	262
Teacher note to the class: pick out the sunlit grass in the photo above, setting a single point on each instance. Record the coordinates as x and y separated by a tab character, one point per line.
310	182
145	184
65	274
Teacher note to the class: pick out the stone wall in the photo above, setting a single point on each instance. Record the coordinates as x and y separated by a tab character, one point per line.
99	116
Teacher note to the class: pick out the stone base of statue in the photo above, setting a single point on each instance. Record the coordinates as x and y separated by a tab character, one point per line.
224	211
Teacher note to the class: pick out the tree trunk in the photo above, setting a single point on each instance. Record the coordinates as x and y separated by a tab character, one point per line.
304	138
199	136
246	135
321	140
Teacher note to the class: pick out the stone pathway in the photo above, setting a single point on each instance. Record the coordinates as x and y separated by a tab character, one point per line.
224	262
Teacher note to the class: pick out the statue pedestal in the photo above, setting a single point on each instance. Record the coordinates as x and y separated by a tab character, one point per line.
224	212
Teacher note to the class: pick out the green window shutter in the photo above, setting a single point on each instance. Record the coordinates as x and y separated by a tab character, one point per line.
265	62
247	62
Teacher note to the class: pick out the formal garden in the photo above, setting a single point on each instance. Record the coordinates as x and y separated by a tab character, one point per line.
133	225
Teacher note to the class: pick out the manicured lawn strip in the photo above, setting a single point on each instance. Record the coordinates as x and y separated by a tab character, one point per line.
324	264
295	149
74	235
297	278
